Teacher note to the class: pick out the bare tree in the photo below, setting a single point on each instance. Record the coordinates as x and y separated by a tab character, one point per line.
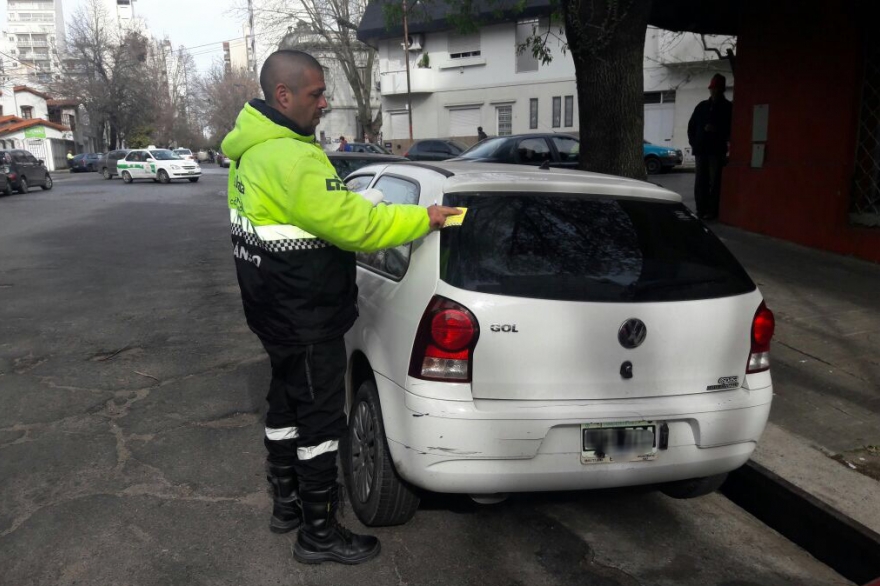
328	30
222	95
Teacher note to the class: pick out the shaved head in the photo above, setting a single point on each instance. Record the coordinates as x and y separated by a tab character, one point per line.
288	68
293	83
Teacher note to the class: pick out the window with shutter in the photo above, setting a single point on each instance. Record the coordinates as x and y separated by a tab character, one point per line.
463	46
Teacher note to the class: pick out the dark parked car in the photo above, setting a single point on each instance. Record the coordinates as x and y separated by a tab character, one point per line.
5	188
346	162
86	162
367	147
108	162
558	150
23	170
434	150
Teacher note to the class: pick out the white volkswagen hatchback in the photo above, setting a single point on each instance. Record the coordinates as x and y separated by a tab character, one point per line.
576	331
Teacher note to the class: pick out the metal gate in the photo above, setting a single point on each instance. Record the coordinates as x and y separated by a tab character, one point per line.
865	208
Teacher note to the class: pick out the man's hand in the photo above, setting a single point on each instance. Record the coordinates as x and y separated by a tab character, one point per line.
437	215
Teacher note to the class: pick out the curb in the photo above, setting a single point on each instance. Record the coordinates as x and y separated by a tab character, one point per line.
843	544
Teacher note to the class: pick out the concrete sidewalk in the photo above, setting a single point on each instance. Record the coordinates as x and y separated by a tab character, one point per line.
824	431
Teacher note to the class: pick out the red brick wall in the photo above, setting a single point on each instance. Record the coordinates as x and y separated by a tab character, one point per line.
804	59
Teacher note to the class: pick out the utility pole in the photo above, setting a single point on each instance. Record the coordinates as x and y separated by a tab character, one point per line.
406	58
253	41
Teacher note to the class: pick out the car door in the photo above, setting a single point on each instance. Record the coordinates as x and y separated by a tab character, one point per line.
150	166
23	165
131	164
37	175
568	150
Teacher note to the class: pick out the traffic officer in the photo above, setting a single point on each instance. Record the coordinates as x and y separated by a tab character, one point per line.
295	230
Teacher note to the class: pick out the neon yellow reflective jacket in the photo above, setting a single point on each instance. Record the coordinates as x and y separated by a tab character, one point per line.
295	228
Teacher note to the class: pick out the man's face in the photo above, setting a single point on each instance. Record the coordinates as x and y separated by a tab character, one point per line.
304	106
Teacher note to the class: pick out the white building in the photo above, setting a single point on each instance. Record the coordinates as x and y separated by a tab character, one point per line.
460	82
34	38
237	53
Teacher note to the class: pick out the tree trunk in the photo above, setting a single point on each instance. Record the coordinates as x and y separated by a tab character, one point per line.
607	43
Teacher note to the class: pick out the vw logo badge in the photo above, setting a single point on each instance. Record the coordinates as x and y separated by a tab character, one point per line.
632	333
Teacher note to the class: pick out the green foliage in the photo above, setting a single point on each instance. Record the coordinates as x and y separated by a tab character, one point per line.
139	137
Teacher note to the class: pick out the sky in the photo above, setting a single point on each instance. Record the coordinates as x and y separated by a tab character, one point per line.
191	23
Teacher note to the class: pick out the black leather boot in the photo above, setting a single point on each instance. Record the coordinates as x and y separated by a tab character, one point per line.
286	510
321	537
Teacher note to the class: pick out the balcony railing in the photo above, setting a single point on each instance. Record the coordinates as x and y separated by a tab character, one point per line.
421	81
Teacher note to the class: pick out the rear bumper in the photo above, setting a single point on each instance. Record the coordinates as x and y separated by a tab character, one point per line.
524	446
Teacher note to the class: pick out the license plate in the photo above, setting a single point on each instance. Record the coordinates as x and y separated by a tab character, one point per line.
620	441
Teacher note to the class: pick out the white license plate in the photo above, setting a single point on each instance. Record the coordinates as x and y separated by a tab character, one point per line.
619	441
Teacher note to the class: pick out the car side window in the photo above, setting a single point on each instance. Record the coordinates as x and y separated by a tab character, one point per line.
31	159
569	148
19	157
393	261
533	151
359	183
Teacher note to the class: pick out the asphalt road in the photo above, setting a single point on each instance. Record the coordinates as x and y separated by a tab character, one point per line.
131	401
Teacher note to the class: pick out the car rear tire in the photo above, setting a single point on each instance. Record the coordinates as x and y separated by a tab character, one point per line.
163	176
193	179
126	177
653	165
106	173
693	487
378	495
48	184
23	186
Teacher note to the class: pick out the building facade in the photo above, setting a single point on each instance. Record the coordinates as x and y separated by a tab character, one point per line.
459	82
34	39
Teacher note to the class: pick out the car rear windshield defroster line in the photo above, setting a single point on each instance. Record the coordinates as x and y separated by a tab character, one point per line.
580	248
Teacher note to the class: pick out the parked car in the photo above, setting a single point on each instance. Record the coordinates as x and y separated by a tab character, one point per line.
660	159
434	150
557	150
108	163
346	163
185	154
23	170
368	147
85	162
222	160
160	165
576	331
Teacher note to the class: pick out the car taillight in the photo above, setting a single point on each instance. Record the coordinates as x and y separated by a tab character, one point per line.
12	176
445	342
406	154
763	325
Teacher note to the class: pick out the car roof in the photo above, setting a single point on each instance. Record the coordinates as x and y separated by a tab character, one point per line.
496	177
378	157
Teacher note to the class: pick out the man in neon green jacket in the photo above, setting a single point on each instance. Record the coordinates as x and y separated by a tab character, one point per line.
295	229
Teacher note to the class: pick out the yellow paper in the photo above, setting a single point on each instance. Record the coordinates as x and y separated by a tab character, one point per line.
455	220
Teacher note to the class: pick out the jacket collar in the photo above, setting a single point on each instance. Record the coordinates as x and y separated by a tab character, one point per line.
280	119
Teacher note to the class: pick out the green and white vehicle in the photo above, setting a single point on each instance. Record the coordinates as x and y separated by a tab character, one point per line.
160	165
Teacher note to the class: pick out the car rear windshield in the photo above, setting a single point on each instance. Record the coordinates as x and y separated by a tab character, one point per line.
573	248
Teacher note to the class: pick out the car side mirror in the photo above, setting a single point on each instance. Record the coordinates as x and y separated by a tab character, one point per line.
41	161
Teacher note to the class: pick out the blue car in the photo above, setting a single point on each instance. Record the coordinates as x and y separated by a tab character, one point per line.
660	159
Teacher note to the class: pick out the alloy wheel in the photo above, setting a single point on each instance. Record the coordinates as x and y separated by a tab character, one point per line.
363	451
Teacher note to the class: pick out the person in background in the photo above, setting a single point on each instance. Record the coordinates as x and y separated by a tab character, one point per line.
709	134
480	134
343	145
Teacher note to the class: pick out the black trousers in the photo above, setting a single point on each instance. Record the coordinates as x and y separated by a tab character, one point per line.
306	417
707	184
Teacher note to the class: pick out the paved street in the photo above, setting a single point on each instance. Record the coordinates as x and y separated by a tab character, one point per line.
131	400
